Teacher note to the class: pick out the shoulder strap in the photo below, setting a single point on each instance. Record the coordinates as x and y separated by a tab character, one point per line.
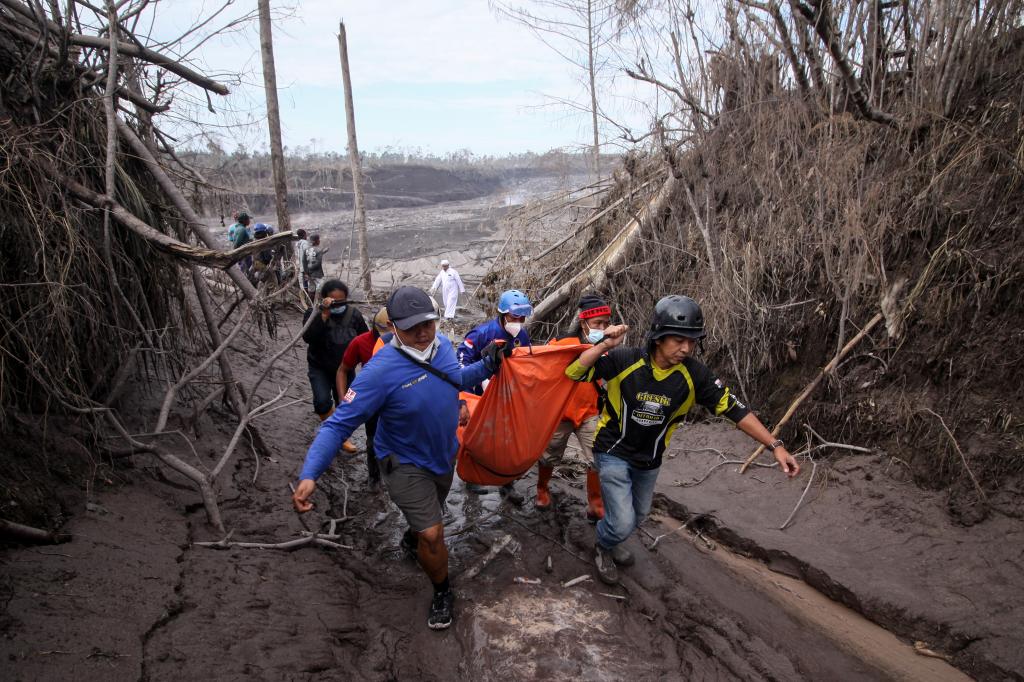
430	368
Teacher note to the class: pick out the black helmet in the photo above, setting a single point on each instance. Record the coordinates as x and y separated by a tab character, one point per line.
677	315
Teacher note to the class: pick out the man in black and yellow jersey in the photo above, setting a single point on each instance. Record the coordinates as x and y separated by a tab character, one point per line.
649	391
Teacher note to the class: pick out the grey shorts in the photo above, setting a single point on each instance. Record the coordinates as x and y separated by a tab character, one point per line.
419	494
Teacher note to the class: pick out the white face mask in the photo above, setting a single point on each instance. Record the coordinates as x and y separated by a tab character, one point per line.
418	355
513	328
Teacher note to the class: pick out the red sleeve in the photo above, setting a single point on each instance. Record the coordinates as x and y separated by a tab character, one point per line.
359	350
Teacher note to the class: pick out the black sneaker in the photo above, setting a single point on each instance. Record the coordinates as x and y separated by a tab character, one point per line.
606	569
410	543
509	492
442	610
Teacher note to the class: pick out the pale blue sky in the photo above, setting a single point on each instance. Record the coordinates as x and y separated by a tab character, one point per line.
441	75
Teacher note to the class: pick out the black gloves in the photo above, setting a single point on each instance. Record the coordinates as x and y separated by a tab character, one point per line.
494	353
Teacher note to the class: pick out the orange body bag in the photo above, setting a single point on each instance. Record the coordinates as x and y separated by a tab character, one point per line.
511	424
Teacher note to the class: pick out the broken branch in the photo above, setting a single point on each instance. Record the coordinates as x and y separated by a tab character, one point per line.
814	384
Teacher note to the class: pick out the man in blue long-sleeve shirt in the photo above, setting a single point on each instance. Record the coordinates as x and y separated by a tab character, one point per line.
413	384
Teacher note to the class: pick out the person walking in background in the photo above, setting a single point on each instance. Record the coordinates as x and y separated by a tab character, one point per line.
313	261
301	244
451	286
650	389
266	261
336	323
240	236
359	352
242	221
581	412
413	385
507	329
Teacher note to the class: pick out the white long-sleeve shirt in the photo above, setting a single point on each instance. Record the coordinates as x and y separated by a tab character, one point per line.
449	282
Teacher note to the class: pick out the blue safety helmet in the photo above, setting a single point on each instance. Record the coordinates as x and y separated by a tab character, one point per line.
260	227
516	303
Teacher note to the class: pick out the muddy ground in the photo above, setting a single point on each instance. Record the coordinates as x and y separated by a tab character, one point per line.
133	596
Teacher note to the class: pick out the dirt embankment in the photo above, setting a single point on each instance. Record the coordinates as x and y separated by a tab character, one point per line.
866	537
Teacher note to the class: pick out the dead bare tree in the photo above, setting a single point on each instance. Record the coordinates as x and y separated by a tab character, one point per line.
355	163
577	30
284	221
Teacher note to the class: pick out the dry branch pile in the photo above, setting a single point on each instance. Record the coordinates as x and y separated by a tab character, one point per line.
108	273
828	162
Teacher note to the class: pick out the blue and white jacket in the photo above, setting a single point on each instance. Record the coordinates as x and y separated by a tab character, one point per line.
419	412
479	337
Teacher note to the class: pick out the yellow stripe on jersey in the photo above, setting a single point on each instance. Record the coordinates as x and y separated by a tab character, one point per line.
724	403
676	419
614	396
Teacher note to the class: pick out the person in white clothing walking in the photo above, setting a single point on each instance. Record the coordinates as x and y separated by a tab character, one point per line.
451	286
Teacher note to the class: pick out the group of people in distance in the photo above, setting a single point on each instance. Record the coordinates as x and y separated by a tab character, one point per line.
407	394
271	263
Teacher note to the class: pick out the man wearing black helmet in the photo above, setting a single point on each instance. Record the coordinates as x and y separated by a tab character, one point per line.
649	391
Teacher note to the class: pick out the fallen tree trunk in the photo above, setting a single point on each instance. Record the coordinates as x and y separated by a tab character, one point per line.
180	202
23	533
163	242
612	257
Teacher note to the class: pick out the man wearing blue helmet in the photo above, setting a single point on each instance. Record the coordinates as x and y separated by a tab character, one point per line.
509	327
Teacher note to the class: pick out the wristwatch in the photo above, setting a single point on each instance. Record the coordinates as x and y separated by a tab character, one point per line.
777	443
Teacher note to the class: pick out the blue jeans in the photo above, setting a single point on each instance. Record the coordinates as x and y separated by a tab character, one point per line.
325	391
627	493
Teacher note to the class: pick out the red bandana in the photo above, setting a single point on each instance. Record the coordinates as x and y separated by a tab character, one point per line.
595	312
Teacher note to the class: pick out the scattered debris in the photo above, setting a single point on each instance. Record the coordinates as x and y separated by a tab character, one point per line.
526	581
613	596
499	544
923	649
576	581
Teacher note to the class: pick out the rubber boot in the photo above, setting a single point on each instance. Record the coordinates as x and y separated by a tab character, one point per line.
543	494
595	506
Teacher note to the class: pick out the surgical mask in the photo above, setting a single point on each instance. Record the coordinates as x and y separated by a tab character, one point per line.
338	310
418	355
513	328
595	336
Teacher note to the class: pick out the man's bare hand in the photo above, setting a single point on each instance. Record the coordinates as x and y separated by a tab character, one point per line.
300	498
786	461
615	335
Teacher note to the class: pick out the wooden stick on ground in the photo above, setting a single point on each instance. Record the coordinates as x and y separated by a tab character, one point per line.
22	533
814	384
499	544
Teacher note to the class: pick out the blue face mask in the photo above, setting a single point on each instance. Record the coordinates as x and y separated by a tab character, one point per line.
340	310
595	336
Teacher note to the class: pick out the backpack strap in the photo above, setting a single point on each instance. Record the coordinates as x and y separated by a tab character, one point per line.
430	368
